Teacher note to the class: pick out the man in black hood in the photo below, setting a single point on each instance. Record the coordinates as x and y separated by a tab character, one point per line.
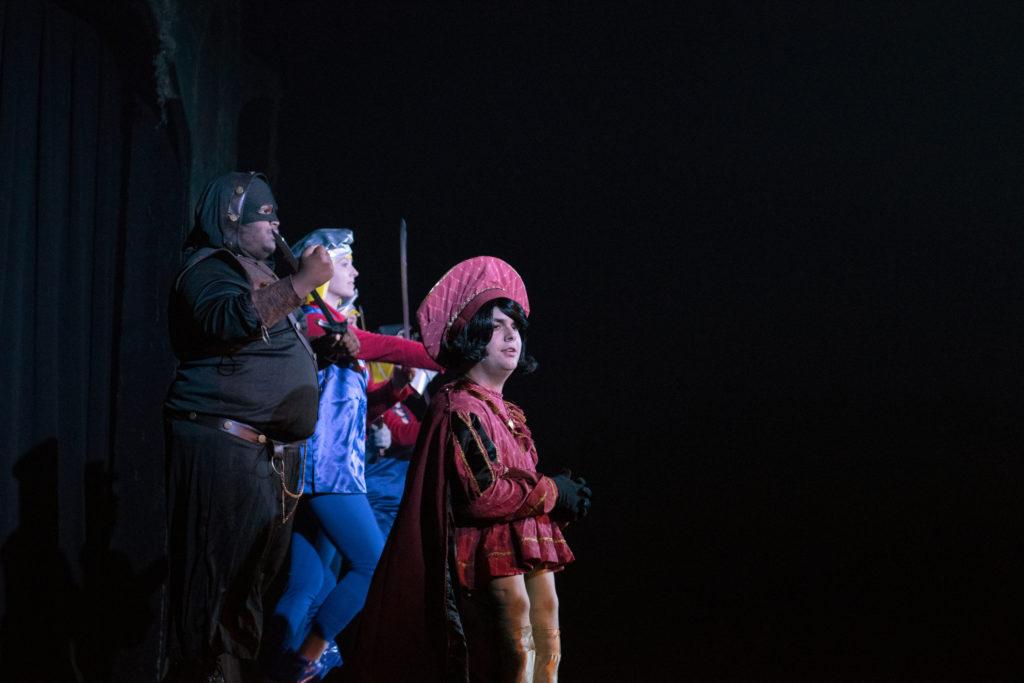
242	402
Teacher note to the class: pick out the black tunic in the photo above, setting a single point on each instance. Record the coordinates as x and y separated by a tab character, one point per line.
227	536
227	368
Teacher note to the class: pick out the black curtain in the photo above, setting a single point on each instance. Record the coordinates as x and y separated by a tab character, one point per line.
773	254
92	206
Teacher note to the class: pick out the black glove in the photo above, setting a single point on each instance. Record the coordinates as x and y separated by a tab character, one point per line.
330	350
573	500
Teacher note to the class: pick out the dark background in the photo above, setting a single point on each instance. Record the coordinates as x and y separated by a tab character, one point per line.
773	257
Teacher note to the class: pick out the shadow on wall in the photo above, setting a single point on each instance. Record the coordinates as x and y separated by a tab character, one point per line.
41	599
116	611
55	629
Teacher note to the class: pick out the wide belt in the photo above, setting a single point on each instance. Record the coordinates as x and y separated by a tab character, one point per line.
232	427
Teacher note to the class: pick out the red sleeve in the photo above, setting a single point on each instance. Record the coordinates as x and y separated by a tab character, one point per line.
380	396
402	433
395	350
491	490
313	317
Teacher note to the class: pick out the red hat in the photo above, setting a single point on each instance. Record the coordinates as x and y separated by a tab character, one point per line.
460	293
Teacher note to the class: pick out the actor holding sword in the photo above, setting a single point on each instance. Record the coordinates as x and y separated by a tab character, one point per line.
243	401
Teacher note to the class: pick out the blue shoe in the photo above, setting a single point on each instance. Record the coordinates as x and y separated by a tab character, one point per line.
291	667
312	672
330	659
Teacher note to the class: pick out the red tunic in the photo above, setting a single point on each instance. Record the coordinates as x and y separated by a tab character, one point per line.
501	504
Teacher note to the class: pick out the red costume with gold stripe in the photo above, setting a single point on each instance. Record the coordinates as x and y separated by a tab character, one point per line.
499	500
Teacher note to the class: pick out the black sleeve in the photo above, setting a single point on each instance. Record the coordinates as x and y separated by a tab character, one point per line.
486	489
219	299
479	456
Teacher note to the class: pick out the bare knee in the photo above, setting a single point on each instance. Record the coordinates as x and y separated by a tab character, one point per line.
546	602
510	598
543	600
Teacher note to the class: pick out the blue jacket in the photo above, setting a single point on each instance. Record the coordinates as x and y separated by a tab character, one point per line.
336	453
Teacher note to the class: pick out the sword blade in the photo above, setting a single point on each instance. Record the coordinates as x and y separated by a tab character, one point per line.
403	244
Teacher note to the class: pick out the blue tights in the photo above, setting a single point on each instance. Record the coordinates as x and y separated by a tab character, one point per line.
347	530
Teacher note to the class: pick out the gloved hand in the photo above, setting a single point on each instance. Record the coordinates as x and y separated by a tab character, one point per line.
378	441
573	497
378	437
334	348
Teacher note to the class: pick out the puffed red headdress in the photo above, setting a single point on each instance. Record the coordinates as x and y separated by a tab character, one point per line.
460	293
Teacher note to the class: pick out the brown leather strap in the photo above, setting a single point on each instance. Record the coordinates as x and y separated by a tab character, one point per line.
233	427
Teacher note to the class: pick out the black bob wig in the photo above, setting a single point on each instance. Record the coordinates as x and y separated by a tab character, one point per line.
470	346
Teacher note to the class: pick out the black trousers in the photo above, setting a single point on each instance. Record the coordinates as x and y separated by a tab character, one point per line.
227	542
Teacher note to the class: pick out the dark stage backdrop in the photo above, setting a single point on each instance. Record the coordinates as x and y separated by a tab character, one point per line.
773	254
774	258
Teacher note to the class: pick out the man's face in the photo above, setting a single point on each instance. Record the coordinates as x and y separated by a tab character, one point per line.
504	348
343	284
257	238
